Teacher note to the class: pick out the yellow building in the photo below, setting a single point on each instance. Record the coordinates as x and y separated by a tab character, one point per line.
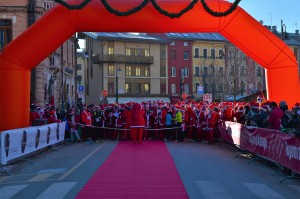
208	64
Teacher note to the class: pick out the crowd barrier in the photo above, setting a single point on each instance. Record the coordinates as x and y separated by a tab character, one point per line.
270	144
18	143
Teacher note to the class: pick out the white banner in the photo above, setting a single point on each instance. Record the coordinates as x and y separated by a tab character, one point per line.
20	142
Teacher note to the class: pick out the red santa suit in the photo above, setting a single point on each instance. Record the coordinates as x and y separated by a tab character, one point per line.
212	123
189	119
137	123
237	115
52	117
86	119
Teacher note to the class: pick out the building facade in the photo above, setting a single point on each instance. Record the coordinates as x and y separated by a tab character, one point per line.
179	64
129	67
208	64
52	80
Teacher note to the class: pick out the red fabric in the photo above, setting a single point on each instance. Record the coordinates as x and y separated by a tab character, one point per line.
137	115
275	118
86	118
140	171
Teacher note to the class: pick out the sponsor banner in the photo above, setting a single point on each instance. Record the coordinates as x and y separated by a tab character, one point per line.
11	143
274	145
20	142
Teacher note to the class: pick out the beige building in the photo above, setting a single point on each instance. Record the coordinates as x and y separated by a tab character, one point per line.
54	78
208	67
129	67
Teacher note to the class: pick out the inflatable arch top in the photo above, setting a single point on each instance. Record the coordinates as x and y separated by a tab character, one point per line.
58	24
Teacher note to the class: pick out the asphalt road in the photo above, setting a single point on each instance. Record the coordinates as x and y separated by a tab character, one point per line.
207	171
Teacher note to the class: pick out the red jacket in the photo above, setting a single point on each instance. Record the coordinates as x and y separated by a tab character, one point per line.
275	118
86	118
137	116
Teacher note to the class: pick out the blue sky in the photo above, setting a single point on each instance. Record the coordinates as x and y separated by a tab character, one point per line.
272	11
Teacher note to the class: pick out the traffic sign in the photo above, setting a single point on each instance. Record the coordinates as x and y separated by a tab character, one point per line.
184	95
200	90
207	98
104	93
80	89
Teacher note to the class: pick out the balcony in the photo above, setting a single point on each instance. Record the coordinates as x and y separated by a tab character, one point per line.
99	58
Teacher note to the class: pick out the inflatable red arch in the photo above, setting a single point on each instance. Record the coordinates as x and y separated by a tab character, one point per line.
60	23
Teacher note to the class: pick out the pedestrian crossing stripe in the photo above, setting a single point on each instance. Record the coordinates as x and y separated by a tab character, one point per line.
9	191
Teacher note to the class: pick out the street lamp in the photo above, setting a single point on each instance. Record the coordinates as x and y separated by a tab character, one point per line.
117	84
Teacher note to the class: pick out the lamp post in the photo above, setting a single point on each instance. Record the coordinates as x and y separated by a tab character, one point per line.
117	83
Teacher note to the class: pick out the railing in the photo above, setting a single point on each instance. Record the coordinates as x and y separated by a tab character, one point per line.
99	58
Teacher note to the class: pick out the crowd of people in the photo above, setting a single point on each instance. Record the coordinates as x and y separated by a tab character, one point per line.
158	120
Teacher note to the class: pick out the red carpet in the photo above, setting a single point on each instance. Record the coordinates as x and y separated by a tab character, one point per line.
136	171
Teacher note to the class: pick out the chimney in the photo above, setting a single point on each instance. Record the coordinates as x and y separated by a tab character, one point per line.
297	32
274	28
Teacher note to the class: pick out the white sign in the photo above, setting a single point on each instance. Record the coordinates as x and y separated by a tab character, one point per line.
207	98
20	142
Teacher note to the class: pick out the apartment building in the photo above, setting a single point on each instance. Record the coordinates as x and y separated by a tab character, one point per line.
128	66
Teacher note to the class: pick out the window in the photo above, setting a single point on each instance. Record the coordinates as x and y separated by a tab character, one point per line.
186	72
128	71
197	71
204	53
258	72
213	53
147	52
111	87
205	87
78	67
221	71
147	71
147	88
185	43
137	71
138	51
173	88
196	53
296	53
221	88
5	32
186	88
127	88
110	50
128	51
205	70
163	54
173	43
230	54
221	54
111	70
172	54
186	55
173	71
136	88
163	71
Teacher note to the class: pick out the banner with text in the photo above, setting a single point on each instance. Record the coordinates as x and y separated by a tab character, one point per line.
274	145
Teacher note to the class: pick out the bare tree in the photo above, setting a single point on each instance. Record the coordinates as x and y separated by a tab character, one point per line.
235	72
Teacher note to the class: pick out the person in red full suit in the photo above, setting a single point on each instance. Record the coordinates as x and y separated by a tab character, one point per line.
137	123
212	124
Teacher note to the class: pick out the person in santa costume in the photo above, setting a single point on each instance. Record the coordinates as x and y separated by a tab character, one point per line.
137	123
212	124
86	120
